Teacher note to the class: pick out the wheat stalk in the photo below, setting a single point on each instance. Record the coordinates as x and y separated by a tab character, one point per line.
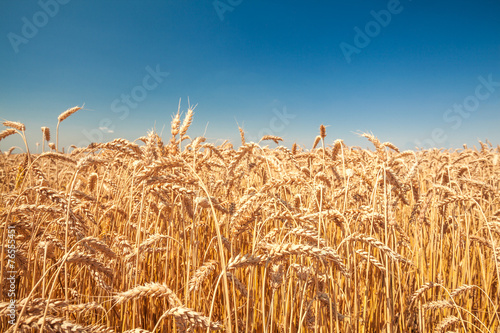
106	217
62	117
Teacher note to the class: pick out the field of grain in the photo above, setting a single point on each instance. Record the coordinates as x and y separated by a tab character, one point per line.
176	234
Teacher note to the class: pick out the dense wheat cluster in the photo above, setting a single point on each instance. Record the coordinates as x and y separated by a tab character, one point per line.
183	235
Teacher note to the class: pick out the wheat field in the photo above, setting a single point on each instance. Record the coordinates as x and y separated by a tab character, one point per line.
183	235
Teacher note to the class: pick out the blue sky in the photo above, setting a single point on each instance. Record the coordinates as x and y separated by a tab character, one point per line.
416	73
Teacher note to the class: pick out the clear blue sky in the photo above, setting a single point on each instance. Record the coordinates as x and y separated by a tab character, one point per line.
410	72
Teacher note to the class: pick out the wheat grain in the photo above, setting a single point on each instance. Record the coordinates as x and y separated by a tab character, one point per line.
192	318
378	244
153	289
68	113
98	245
274	138
237	284
16	125
188	118
421	291
6	133
365	255
277	251
87	260
58	156
241	261
176	122
445	323
46	133
461	289
316	141
201	274
322	131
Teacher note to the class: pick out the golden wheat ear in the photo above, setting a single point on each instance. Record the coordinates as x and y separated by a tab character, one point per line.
62	117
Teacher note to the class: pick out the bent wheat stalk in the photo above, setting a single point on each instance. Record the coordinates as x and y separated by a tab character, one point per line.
63	116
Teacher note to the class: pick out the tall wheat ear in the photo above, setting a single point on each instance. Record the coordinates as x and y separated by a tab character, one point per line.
62	117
